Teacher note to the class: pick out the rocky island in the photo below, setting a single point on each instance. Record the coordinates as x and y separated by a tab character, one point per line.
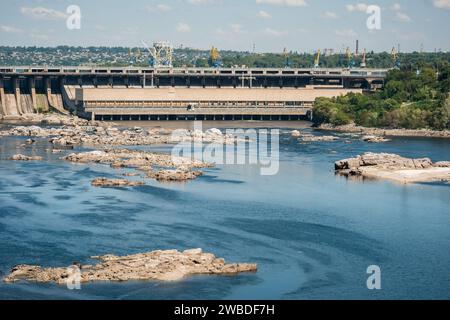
169	265
394	167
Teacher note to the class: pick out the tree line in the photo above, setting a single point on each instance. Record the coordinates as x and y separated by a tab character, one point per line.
411	98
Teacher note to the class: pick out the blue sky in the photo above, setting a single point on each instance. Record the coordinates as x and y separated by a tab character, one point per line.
271	25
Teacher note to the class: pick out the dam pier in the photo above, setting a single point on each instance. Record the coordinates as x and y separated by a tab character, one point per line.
177	93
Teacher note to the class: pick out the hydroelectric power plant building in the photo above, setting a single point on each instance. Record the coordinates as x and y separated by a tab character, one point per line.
177	93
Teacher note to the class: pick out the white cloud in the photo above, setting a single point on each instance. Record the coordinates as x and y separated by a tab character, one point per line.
234	29
442	4
159	8
200	2
330	15
183	27
396	7
264	14
237	28
43	13
402	17
361	7
350	33
275	33
9	29
287	3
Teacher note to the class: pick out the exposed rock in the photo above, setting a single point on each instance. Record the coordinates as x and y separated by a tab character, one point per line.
175	175
170	265
179	169
313	138
130	174
30	141
21	157
105	182
296	134
374	139
394	167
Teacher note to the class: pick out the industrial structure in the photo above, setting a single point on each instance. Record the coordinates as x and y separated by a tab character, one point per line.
178	93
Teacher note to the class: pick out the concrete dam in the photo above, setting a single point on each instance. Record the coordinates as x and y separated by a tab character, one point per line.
177	94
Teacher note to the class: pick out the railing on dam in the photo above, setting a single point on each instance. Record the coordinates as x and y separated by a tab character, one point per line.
286	72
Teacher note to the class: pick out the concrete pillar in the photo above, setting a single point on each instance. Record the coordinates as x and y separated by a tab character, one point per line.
32	86
48	89
16	88
2	98
93	116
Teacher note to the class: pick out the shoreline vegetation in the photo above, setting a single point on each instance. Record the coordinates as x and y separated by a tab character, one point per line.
383	132
410	100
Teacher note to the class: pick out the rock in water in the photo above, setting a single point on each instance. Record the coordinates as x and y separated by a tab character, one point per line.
374	139
104	182
296	134
170	265
21	157
394	167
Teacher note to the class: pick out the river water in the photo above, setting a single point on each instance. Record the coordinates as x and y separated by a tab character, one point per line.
313	234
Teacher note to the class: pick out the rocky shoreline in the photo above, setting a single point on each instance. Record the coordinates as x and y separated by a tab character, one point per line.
169	265
352	128
71	131
394	167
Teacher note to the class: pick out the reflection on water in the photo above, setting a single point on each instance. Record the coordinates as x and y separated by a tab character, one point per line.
313	234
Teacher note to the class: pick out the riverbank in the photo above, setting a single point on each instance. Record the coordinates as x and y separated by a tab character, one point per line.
352	128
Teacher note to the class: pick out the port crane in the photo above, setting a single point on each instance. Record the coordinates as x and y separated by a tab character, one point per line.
395	58
161	54
363	61
214	58
350	60
317	59
286	56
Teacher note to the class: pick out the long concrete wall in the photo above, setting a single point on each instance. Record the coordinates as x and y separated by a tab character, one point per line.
272	95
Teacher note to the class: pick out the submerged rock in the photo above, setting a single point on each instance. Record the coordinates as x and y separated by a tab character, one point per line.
21	157
374	139
105	182
394	167
170	265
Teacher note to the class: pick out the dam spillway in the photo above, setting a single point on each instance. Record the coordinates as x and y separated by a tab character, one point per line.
177	93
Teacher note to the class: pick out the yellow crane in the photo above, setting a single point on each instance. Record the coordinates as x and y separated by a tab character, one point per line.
214	54
317	59
214	58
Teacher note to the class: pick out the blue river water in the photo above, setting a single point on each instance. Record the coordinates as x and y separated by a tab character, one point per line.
312	233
